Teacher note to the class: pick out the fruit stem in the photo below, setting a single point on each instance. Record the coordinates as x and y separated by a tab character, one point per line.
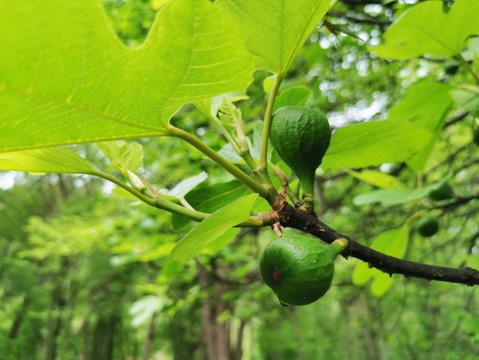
339	245
307	204
263	161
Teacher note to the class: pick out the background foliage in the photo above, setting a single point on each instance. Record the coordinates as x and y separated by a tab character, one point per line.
85	269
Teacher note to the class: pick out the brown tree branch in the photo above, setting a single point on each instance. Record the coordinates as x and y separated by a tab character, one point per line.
290	217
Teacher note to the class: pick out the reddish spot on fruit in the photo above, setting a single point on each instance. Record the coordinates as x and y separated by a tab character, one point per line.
276	275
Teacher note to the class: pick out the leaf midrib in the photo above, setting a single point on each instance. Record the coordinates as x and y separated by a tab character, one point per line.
72	105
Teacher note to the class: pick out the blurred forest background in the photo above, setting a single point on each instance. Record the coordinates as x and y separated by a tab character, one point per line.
84	270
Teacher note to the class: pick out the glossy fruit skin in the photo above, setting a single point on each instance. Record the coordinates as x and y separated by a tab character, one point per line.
301	137
298	268
428	226
443	192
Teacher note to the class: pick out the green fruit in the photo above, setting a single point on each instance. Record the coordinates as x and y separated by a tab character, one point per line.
451	67
442	192
301	137
476	136
299	268
427	226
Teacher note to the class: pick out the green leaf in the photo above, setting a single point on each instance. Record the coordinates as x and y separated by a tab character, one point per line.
381	283
426	29
392	242
221	241
392	197
212	228
374	143
142	310
228	113
185	186
377	178
425	104
275	30
50	160
293	96
472	51
66	78
361	273
467	97
209	198
123	155
210	107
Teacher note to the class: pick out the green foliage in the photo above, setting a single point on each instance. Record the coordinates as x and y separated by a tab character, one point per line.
85	72
392	242
426	29
275	50
213	227
374	143
425	104
85	272
122	155
52	160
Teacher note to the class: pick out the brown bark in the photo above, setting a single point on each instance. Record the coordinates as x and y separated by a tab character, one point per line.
103	339
216	333
290	217
207	325
149	338
238	353
17	323
222	328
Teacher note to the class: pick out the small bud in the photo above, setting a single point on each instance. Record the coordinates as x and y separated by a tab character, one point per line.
135	181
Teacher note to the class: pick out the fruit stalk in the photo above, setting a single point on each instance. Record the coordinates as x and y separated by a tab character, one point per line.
263	161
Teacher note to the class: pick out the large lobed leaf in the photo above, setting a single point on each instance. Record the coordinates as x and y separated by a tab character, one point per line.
427	29
66	78
275	30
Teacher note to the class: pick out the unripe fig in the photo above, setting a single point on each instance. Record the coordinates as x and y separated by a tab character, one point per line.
475	136
299	268
451	67
428	226
442	192
301	137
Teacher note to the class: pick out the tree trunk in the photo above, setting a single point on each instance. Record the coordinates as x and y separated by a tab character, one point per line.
223	347
238	353
17	323
149	338
216	335
207	325
103	340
